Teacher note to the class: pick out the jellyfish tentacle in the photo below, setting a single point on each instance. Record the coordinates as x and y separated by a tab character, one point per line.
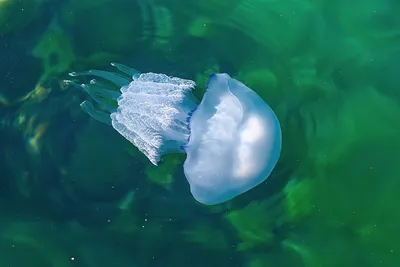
113	77
127	70
94	89
105	98
101	116
101	97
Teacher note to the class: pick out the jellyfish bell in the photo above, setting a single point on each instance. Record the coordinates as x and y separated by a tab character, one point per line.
232	138
234	144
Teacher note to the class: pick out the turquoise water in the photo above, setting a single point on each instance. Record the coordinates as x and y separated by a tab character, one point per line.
76	193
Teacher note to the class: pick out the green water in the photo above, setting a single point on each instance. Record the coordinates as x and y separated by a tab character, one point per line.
73	192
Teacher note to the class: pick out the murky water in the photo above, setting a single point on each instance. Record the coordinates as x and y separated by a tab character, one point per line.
76	193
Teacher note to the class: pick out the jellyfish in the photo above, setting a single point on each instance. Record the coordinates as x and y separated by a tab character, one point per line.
232	138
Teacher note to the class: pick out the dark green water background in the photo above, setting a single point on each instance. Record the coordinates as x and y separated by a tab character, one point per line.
74	193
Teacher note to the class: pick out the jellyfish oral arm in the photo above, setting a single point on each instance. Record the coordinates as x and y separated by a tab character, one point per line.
150	110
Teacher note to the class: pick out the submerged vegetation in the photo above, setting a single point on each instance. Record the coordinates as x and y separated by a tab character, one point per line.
75	193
